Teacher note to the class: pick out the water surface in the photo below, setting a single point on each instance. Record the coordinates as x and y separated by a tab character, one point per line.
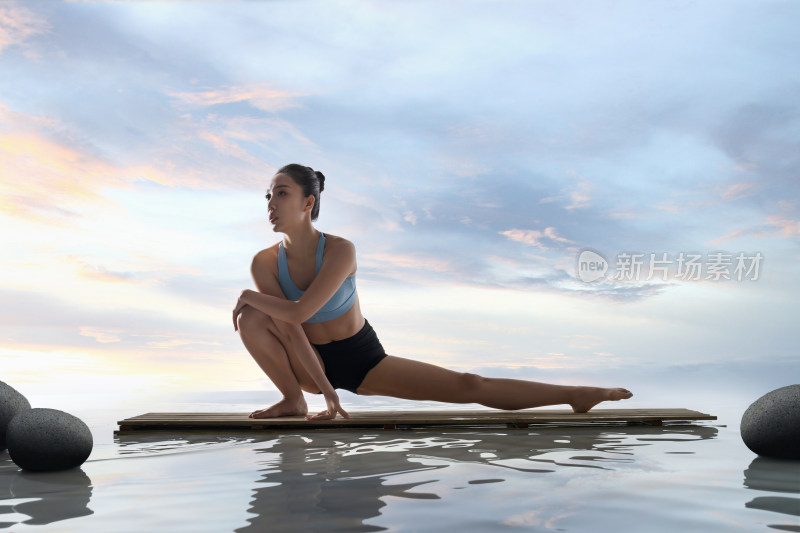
626	478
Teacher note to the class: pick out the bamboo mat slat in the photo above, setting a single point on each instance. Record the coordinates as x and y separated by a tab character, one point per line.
412	419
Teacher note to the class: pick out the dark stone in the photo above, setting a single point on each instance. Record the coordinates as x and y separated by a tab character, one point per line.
47	440
11	404
771	425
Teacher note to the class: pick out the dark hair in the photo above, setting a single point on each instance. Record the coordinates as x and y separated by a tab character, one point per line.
311	181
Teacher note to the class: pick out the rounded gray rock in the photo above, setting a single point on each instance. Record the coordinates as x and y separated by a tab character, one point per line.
12	402
48	440
771	425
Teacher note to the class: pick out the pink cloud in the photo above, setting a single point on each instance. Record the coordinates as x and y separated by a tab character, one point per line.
17	24
46	178
261	96
230	148
773	225
729	236
405	261
786	226
737	190
578	197
534	237
102	335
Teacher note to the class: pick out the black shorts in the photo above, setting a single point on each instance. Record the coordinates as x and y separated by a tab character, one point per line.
347	361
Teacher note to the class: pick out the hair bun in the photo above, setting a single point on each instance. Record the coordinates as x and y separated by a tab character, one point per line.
321	178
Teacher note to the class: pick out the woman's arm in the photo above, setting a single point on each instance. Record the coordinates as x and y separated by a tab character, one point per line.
267	284
308	358
339	262
268	287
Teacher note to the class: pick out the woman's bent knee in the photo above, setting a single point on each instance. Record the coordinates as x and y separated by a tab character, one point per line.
251	318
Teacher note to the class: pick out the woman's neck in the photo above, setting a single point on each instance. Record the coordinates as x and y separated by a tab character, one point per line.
304	239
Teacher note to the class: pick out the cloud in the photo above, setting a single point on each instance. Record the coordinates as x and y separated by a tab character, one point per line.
578	196
52	322
771	227
176	343
228	147
100	273
736	191
534	237
476	147
47	177
17	24
609	289
730	236
102	335
261	96
41	175
385	261
785	226
244	142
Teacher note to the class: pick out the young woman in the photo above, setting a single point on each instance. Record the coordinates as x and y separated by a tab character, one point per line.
304	326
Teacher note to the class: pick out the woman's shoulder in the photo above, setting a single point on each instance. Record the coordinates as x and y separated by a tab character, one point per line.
267	257
334	242
264	270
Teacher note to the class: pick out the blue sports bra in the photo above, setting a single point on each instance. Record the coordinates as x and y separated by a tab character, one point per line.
340	302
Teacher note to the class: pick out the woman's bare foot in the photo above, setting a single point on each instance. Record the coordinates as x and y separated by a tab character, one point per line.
588	397
285	407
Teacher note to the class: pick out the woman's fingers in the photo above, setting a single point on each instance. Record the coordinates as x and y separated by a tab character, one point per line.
334	407
324	415
328	415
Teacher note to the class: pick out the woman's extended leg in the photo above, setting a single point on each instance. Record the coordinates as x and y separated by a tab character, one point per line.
415	380
262	339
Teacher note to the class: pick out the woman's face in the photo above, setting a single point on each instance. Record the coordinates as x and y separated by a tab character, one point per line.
286	204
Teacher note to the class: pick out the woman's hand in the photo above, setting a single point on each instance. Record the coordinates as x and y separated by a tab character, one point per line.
240	304
332	400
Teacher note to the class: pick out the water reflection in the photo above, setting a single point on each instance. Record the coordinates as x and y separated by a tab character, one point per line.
164	442
775	475
339	481
45	497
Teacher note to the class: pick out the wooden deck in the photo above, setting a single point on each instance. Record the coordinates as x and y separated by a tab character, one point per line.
413	419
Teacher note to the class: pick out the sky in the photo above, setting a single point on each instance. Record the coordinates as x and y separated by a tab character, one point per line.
473	151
